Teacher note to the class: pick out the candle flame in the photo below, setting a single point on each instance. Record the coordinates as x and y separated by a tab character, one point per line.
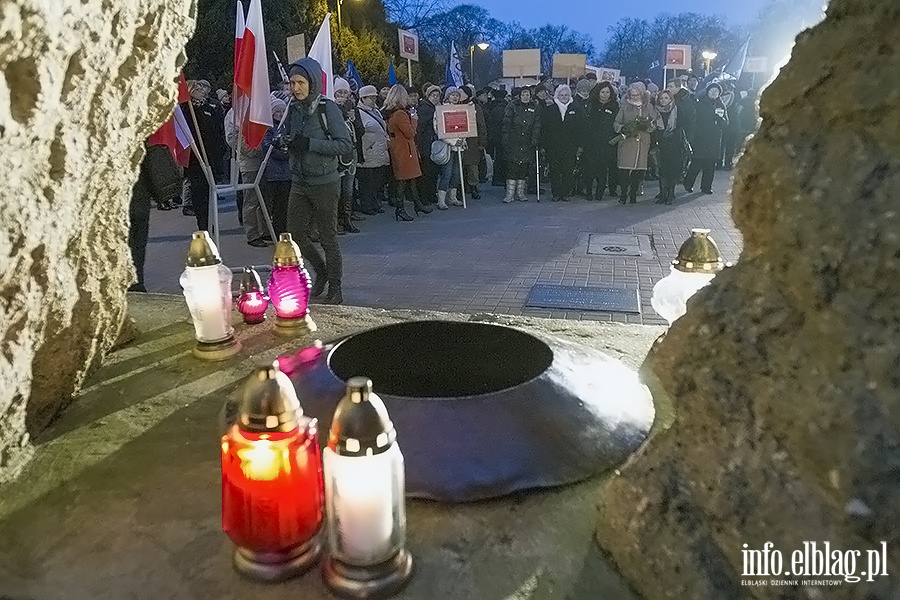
261	461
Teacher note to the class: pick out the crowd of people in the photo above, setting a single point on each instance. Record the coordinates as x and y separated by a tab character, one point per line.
335	163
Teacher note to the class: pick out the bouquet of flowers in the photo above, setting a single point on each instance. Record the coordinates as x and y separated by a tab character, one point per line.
634	129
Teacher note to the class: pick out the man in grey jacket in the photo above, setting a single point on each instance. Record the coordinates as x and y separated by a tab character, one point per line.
316	136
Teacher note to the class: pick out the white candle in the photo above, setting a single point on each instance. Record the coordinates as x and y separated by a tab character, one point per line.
360	490
209	303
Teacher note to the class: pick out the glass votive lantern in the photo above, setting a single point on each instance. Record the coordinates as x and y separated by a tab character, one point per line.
365	499
696	266
252	302
272	485
289	287
207	289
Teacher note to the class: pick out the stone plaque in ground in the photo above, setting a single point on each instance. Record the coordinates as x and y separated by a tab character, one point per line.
573	297
617	244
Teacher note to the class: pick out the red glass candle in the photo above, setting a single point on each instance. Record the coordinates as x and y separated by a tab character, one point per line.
252	302
289	287
272	482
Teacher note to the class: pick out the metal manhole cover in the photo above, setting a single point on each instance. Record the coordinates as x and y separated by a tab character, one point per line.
614	244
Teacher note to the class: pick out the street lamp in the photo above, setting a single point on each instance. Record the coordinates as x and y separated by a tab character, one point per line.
481	46
708	57
339	2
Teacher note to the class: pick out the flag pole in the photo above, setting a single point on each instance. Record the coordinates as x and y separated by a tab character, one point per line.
462	180
409	70
537	162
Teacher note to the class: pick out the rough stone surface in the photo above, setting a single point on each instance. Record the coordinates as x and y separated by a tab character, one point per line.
84	82
785	372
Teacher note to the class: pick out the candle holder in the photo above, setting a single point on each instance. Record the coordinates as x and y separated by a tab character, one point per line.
207	289
365	499
289	287
696	266
252	302
272	484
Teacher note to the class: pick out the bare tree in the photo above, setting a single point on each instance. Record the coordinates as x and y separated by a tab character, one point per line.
412	14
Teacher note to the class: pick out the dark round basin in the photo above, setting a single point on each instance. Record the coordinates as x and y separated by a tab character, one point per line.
484	410
440	359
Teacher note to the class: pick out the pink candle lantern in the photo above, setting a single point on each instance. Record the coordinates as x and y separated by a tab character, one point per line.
252	302
289	287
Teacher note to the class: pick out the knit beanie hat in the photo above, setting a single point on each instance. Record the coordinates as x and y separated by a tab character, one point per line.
432	88
341	84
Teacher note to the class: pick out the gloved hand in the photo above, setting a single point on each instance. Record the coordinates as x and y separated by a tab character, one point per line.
281	141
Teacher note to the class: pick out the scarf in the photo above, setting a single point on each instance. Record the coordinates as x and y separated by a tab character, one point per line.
673	118
633	103
563	108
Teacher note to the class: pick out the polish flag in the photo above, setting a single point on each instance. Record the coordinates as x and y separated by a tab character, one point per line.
175	133
239	27
252	79
320	51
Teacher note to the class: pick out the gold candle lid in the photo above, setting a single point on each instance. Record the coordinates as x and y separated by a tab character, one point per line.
361	425
699	254
203	251
287	253
268	402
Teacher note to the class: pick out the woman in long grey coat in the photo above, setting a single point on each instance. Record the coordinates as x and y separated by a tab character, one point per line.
635	124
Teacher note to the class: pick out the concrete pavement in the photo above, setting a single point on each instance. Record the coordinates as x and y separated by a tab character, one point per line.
487	257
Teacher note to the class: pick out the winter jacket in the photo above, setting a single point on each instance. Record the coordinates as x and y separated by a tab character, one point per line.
404	154
521	132
563	136
250	158
710	124
279	166
494	121
472	153
686	103
633	151
425	133
320	121
374	139
210	123
600	119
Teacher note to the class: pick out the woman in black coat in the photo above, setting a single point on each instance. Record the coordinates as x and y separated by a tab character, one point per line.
599	156
670	145
521	135
709	124
562	129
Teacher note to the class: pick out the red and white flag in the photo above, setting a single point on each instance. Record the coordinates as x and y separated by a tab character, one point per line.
252	79
239	27
175	132
320	51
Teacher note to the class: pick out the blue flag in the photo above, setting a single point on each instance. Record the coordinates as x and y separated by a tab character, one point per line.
658	65
392	76
453	74
353	77
735	65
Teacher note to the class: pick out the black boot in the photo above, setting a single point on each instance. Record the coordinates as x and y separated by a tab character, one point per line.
633	185
334	293
418	207
474	193
400	214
